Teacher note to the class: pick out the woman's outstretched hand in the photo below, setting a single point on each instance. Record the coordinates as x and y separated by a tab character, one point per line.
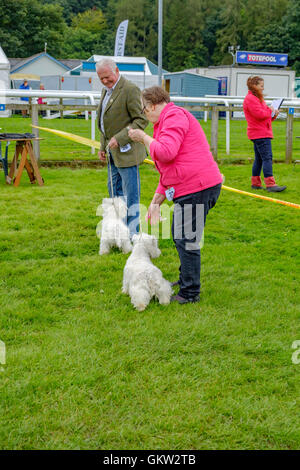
137	135
153	213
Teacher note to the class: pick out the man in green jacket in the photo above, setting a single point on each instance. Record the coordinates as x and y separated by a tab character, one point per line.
120	108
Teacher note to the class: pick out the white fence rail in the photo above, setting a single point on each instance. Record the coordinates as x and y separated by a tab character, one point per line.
210	103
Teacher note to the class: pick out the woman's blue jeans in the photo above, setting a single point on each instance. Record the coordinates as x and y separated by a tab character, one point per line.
263	157
189	218
125	182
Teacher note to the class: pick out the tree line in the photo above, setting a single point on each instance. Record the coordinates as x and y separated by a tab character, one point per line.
195	32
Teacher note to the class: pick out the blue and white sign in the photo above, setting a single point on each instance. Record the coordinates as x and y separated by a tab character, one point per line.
2	107
261	58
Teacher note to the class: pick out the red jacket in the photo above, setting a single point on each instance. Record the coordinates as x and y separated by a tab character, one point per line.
258	117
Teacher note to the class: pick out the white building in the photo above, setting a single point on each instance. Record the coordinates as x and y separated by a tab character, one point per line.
139	70
38	64
279	82
4	81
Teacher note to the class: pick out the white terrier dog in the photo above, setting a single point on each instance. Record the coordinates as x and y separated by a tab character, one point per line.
112	230
141	279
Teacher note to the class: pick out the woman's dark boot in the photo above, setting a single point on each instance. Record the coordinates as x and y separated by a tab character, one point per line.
272	186
256	182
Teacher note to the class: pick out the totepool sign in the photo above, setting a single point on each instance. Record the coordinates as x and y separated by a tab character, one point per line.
261	58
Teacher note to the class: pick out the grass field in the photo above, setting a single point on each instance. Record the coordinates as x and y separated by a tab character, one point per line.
58	148
84	370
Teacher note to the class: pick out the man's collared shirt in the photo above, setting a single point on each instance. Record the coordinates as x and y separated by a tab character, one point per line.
105	102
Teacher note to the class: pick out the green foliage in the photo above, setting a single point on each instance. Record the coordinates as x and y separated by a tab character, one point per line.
283	35
12	13
184	40
87	34
80	43
233	23
195	33
212	23
90	20
269	38
73	7
142	29
292	21
26	25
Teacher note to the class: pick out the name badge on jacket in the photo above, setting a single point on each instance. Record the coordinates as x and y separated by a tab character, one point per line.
125	148
170	193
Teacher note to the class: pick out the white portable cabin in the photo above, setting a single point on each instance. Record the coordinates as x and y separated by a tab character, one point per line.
4	82
279	81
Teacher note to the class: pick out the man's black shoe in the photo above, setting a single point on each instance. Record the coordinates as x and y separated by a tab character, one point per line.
176	283
184	300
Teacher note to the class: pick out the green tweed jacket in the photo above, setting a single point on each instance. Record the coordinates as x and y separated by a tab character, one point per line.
123	109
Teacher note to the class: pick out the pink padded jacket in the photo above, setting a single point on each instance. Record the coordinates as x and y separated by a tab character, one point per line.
181	153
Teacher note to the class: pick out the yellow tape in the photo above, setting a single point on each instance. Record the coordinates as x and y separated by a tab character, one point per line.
271	199
78	138
96	144
265	198
73	137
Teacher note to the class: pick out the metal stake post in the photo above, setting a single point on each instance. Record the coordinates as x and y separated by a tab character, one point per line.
160	33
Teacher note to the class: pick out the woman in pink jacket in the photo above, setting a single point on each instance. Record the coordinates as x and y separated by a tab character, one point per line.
259	117
188	175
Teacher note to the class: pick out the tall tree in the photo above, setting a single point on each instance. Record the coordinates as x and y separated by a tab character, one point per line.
90	20
282	34
12	13
26	25
73	7
87	35
292	25
233	16
184	24
142	32
195	33
212	23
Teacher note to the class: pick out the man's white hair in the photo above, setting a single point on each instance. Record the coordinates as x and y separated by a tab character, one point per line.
107	63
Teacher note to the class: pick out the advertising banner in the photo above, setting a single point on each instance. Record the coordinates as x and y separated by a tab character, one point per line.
261	58
222	86
121	38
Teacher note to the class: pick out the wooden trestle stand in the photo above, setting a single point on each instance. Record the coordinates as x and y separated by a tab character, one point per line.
24	149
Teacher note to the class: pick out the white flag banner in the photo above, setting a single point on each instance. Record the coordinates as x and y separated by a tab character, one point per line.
121	38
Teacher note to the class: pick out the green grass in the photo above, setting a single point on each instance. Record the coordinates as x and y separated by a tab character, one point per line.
58	148
84	370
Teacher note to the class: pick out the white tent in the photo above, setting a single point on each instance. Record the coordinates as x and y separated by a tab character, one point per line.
4	80
129	61
139	70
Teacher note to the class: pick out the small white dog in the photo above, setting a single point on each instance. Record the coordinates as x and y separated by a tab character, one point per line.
112	230
141	279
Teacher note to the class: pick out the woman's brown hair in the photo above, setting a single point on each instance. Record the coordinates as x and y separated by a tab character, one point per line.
251	84
155	95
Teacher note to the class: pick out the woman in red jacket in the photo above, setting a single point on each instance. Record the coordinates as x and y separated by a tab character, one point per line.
259	130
